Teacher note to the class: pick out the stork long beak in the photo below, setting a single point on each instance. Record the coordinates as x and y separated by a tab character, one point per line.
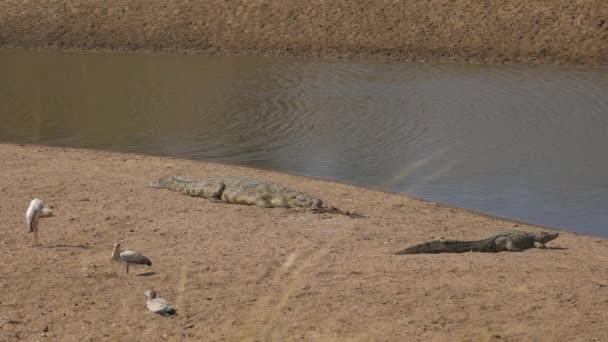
115	252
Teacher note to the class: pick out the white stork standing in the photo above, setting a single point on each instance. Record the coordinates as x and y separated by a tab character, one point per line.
35	211
129	257
158	305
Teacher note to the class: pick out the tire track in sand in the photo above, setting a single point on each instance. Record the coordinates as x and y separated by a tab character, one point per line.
260	324
181	288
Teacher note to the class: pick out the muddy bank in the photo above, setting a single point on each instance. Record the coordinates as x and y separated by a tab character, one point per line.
547	31
245	273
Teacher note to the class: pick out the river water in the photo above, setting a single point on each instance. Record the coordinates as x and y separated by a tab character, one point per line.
526	143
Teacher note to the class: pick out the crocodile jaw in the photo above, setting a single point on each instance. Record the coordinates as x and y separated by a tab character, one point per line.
545	237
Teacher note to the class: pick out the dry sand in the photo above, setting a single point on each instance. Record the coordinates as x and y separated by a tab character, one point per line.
246	273
539	31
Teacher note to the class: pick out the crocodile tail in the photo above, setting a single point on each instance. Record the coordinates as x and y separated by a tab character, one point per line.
173	183
427	247
161	183
154	184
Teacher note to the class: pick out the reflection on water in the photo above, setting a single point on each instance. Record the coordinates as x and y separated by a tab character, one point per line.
517	142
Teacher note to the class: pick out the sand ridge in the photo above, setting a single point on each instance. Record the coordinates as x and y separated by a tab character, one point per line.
246	273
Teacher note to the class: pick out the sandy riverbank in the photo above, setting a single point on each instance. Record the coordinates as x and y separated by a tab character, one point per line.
544	31
238	272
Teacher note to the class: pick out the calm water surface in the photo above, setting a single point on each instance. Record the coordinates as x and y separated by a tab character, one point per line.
527	143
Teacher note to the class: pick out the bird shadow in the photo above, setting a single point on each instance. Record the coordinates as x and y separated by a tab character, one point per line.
146	274
558	248
69	246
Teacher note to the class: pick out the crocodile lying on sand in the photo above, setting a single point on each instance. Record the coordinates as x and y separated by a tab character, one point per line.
510	240
240	190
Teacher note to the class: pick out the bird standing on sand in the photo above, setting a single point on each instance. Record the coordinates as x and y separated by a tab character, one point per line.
158	305
129	257
35	211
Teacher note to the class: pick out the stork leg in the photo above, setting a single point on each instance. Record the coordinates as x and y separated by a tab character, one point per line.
36	234
127	268
35	230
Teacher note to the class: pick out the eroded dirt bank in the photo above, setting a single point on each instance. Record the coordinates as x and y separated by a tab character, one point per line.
543	31
245	273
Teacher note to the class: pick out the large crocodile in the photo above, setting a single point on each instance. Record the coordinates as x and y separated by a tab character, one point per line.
509	240
240	190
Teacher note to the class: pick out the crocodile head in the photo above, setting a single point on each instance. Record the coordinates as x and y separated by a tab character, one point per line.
545	237
317	203
304	200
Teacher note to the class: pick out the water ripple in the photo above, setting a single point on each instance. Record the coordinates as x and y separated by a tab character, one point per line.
520	142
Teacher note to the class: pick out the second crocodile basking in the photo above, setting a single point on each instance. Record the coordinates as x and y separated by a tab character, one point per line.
508	240
240	190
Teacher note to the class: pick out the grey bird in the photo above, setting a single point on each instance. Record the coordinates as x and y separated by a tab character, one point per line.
129	257
158	305
34	212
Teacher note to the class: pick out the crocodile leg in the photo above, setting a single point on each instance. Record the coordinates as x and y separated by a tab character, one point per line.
262	201
511	246
215	190
279	202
